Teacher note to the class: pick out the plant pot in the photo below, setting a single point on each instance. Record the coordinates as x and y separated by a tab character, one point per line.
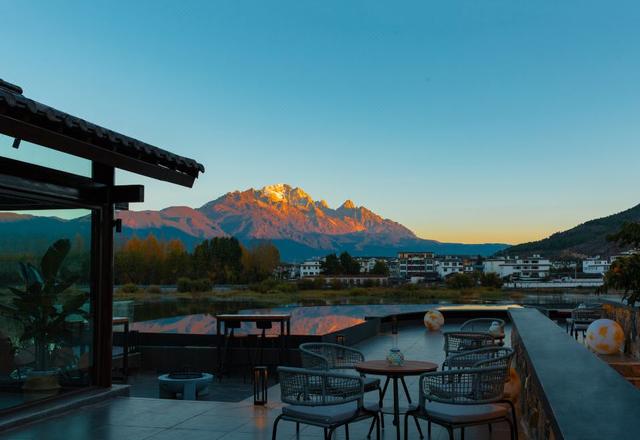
42	382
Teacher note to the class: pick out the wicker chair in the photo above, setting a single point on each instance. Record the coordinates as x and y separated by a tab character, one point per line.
335	357
484	325
338	358
460	398
480	357
324	399
485	357
460	341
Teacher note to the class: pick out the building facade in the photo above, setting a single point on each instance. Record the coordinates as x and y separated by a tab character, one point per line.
416	264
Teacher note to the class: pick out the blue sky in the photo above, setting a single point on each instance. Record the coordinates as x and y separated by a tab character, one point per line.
466	121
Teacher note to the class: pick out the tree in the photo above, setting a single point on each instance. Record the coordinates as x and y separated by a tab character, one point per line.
218	259
459	281
260	261
348	264
176	262
491	279
624	272
331	265
380	268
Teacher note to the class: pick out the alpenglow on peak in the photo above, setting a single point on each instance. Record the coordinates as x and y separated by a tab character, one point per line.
282	192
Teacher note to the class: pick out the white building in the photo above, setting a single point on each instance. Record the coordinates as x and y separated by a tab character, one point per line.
596	265
367	263
416	264
310	268
448	265
532	268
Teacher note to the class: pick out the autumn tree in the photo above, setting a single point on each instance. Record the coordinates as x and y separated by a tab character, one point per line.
259	261
218	259
177	262
624	272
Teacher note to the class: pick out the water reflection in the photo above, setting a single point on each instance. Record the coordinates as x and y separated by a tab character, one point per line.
197	317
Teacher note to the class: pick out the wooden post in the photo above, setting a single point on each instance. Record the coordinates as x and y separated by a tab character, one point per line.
102	277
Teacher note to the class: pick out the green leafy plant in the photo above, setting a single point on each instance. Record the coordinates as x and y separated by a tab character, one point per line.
43	306
624	273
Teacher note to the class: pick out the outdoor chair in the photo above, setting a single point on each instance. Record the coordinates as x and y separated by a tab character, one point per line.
580	320
461	398
485	357
337	358
480	357
324	399
484	325
460	341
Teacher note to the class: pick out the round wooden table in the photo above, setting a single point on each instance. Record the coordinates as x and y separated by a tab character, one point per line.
393	373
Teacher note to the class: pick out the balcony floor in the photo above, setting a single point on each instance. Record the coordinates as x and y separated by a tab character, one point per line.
156	419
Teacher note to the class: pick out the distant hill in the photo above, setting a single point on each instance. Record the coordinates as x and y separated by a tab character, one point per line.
298	225
587	239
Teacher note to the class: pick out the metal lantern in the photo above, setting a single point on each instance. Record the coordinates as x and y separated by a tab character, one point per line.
341	339
260	380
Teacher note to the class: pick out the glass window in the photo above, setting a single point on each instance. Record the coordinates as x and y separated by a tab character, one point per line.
46	316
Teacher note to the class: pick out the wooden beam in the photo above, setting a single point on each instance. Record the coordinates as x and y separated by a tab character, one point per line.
61	142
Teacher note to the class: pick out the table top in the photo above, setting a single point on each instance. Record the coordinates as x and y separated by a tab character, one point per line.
254	317
120	320
382	367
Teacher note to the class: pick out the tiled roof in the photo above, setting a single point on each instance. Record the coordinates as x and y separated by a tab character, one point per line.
14	105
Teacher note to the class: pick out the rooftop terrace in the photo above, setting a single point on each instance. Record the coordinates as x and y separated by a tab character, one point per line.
156	419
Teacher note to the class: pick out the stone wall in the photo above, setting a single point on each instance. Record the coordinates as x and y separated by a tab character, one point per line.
629	318
532	414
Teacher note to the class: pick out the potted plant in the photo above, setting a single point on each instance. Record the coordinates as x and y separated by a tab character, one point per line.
42	309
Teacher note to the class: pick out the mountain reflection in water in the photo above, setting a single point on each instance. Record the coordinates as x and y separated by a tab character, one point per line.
318	320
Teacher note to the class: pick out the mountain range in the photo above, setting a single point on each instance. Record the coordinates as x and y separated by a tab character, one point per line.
586	239
298	225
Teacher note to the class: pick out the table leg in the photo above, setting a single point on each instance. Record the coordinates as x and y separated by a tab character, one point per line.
406	390
125	352
219	345
396	407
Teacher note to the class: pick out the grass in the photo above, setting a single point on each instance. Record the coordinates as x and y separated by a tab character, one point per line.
357	295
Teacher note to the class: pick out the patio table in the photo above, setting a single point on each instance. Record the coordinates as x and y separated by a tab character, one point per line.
232	320
393	373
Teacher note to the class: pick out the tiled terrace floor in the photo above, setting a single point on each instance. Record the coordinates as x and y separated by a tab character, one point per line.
155	419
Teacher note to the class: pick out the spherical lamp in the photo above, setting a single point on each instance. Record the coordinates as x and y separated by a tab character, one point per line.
605	336
433	320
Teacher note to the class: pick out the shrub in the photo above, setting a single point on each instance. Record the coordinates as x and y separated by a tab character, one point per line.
459	281
491	280
183	284
311	283
129	288
153	289
189	285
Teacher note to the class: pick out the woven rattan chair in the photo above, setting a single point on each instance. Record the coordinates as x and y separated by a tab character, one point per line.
338	358
480	357
460	341
460	398
323	398
485	357
484	325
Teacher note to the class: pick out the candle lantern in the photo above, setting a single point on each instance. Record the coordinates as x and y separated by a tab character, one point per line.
260	379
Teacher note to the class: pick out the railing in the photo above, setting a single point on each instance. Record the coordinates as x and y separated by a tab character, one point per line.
568	392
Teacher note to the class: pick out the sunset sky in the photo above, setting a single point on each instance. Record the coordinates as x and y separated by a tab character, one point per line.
466	121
